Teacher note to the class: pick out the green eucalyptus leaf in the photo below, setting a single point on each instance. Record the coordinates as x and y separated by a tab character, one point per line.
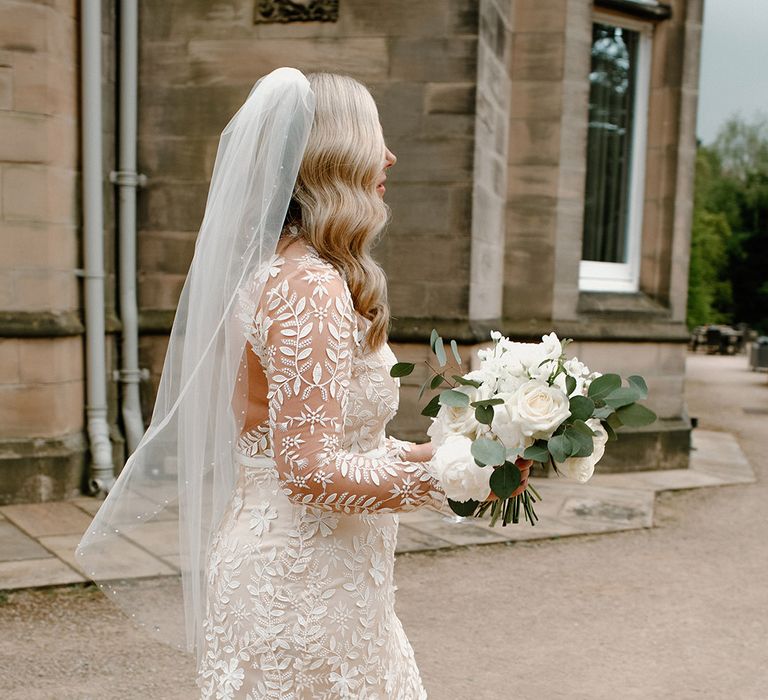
505	480
639	383
570	384
440	352
463	508
582	444
579	426
433	339
581	407
603	412
614	421
467	382
432	408
401	369
451	397
635	415
423	388
487	402
559	447
437	380
602	386
484	414
536	452
489	452
455	351
609	430
623	396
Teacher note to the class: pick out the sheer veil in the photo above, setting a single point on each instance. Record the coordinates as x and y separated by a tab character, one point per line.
181	476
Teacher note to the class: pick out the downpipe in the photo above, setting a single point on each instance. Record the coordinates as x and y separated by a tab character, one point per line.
127	180
102	473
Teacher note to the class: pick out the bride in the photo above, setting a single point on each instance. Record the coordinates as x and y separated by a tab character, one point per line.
300	596
268	442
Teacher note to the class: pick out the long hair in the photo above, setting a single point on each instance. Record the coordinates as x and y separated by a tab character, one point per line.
335	205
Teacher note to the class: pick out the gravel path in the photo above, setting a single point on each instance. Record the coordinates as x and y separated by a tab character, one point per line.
679	611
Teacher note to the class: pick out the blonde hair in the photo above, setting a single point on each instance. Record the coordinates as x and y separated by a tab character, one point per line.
335	205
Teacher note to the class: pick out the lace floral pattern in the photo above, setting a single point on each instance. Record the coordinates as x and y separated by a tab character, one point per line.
300	572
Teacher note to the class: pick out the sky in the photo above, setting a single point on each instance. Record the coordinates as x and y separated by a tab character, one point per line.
734	63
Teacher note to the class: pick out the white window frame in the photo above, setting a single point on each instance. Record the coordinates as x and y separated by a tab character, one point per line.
595	276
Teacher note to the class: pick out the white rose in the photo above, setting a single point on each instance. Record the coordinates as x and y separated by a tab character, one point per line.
581	468
580	372
459	476
460	420
505	421
544	370
551	348
541	408
510	383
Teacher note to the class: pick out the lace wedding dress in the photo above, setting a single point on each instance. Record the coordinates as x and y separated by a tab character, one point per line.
300	595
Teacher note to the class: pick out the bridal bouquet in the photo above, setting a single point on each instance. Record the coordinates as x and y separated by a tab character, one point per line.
526	401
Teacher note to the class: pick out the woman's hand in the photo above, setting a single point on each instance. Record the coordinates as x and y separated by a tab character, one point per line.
420	452
524	465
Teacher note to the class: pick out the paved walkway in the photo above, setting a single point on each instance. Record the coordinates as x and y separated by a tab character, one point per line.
37	541
676	611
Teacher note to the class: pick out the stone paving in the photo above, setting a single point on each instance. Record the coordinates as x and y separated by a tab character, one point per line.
37	541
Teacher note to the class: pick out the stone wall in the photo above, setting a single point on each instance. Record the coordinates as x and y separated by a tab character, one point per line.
543	79
41	365
197	63
484	102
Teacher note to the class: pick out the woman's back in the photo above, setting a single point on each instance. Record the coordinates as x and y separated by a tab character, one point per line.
300	588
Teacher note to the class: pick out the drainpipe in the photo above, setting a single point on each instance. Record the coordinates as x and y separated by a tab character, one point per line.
127	180
102	471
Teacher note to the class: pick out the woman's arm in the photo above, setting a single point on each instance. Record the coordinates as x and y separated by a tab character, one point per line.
310	345
410	451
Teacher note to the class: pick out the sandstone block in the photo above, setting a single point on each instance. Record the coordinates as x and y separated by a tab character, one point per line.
24	27
534	142
41	410
51	360
9	361
6	87
39	193
451	59
450	98
538	56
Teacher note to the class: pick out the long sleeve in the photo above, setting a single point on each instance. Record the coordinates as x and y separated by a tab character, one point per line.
309	347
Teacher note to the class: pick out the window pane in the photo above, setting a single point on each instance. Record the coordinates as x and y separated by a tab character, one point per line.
609	143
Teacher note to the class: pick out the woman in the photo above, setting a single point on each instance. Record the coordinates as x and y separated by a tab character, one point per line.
271	416
300	589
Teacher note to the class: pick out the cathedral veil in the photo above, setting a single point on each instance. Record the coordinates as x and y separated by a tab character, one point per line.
174	488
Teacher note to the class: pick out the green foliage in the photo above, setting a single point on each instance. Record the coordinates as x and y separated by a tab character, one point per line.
432	408
484	414
488	452
537	452
728	277
401	369
451	397
463	508
505	480
581	407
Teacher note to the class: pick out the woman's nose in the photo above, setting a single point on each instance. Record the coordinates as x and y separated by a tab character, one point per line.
390	158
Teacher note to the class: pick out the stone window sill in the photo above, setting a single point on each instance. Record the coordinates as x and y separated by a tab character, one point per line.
636	304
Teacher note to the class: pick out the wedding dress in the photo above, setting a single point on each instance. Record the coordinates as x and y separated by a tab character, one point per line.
300	593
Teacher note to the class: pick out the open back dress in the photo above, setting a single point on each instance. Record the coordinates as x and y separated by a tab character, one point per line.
300	591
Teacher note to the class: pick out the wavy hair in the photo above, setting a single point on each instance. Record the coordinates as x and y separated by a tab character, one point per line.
335	206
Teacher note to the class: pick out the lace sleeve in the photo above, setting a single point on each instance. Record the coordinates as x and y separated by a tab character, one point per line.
309	350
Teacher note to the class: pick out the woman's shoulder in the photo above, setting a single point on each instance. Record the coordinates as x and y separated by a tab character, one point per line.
296	280
301	267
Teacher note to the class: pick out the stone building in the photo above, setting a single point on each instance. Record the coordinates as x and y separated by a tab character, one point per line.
544	182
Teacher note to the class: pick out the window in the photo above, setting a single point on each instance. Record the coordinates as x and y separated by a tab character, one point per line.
613	198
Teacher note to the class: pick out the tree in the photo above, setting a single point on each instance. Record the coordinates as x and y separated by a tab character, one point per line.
729	237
